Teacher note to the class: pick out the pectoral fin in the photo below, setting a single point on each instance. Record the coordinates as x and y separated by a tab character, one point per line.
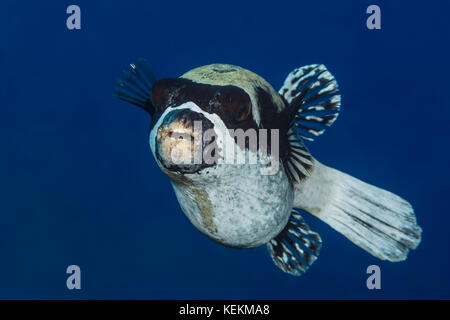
135	85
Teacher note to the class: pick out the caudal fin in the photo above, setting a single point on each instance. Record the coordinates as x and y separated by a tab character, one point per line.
374	219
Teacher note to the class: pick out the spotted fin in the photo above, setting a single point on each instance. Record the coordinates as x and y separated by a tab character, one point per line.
135	85
312	94
296	247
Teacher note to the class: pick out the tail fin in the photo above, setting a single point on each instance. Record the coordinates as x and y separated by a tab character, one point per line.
374	219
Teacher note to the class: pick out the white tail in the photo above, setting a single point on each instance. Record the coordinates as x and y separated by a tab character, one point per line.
374	219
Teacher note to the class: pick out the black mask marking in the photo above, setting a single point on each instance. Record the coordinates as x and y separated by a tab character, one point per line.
230	103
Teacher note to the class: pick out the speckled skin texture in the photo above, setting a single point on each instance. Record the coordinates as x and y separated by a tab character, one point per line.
240	212
233	204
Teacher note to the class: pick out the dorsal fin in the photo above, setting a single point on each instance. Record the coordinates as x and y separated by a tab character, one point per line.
135	85
313	97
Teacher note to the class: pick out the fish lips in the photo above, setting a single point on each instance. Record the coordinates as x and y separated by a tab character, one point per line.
180	141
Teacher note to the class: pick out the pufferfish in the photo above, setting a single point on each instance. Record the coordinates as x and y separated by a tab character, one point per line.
236	203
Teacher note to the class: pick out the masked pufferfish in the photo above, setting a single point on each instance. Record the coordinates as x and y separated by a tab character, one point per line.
236	204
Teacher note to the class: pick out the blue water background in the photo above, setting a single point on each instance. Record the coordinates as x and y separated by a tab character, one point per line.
78	183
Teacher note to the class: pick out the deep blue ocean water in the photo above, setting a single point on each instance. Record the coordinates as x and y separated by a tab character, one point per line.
79	185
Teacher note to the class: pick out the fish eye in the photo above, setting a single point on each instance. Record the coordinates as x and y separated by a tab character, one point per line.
243	112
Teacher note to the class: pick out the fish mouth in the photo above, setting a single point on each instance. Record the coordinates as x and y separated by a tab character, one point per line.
180	141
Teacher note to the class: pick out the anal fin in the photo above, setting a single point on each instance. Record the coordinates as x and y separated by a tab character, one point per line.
296	247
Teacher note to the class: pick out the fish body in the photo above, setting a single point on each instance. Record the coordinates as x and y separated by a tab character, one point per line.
233	149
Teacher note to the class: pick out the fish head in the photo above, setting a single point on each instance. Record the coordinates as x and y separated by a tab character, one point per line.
200	115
